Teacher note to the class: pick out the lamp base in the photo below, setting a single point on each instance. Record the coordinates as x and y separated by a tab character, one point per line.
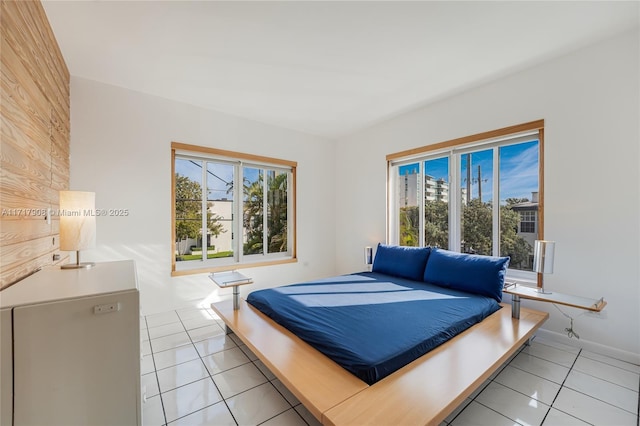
78	264
84	265
541	290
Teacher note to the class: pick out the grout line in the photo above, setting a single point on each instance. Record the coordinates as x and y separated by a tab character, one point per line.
604	380
557	363
513	390
276	389
253	387
598	357
562	387
486	384
155	371
596	399
607	380
546	360
495	411
203	364
224	400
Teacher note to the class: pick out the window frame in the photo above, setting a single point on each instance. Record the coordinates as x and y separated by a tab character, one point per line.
179	150
472	143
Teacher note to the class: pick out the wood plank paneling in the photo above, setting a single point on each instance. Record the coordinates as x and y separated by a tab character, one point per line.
12	255
35	126
49	51
13	275
26	119
14	206
59	136
21	187
25	38
26	94
14	230
14	156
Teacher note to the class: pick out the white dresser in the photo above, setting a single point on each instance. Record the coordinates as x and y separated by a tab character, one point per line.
70	347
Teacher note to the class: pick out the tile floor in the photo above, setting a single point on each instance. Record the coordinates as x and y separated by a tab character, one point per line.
195	374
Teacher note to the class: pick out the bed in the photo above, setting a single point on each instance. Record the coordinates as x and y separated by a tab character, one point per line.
394	383
372	324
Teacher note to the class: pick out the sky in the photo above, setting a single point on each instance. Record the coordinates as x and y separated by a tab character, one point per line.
219	175
518	171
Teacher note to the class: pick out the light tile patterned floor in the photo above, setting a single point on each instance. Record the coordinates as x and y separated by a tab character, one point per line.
195	374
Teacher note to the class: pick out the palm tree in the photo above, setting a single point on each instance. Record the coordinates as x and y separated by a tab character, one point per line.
252	219
276	209
277	212
409	226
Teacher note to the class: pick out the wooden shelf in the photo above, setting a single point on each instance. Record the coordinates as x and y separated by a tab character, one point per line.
518	291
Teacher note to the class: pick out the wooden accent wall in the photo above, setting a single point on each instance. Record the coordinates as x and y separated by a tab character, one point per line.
34	140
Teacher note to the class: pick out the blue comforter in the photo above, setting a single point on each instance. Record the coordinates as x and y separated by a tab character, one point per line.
369	323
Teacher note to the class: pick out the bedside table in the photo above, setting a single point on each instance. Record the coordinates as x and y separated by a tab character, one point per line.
518	291
231	279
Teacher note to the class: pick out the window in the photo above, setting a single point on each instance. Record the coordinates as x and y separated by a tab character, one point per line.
528	222
479	194
230	210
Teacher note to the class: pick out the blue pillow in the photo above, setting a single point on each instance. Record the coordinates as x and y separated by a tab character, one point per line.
403	262
467	272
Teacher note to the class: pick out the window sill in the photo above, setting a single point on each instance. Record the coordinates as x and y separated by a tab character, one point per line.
231	267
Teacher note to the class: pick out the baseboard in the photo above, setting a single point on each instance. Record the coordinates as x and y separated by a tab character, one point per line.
587	345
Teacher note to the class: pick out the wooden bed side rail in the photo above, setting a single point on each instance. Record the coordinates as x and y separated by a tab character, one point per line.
314	379
426	391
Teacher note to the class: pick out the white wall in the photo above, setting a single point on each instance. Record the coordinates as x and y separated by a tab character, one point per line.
590	103
120	148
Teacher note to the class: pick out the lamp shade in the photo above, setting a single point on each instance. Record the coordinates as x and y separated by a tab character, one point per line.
543	252
77	220
368	255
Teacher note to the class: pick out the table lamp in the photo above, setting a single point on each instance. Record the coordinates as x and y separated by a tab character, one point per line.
368	257
77	224
543	252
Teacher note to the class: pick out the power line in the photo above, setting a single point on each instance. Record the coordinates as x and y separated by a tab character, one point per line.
210	172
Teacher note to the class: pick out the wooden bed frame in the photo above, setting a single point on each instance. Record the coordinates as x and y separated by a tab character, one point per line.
423	392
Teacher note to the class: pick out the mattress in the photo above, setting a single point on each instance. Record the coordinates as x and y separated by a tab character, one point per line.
372	324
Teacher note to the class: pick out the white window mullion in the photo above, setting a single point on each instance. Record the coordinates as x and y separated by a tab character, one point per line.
265	203
455	198
238	200
496	201
290	203
420	198
392	194
203	226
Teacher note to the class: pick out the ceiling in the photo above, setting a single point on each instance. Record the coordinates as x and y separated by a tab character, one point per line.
327	68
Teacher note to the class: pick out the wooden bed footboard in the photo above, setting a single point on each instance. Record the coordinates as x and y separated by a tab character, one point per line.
423	392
